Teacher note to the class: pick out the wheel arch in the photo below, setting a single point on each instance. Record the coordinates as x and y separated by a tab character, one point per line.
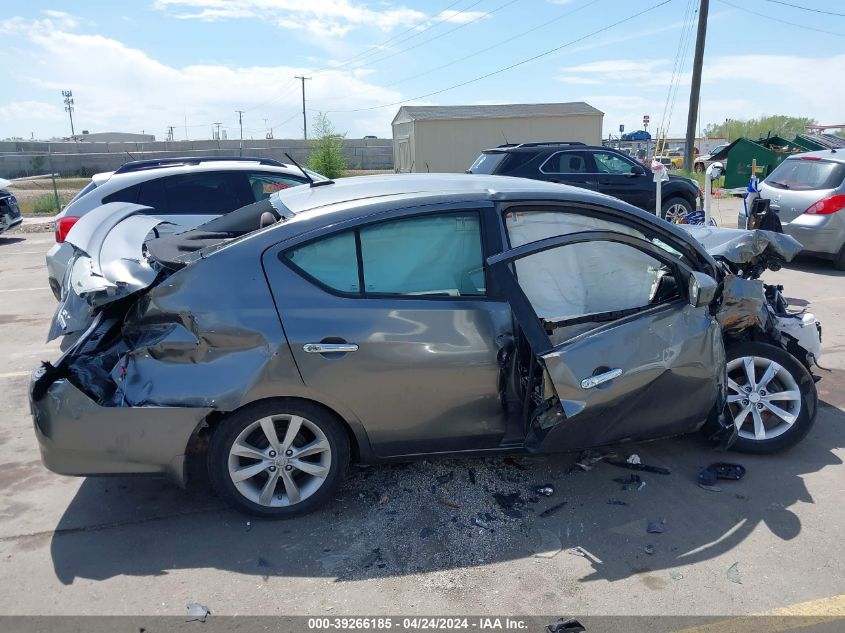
197	446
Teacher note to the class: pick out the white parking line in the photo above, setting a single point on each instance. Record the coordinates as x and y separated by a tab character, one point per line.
25	253
14	374
24	289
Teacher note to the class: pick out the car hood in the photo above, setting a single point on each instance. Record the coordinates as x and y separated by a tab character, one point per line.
743	247
108	262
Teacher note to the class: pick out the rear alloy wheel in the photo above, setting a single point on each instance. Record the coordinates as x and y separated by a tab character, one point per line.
276	459
771	395
674	210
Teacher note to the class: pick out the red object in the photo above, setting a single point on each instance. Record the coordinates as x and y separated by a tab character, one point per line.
828	205
63	226
810	158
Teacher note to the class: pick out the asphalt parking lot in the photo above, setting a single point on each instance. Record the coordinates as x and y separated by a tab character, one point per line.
429	537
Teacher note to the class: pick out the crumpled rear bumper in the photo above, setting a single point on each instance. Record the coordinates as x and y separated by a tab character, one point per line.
79	437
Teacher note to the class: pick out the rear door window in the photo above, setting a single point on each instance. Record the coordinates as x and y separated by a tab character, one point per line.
151	194
568	163
207	193
129	194
802	174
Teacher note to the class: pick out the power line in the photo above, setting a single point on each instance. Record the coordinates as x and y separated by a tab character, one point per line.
514	65
489	48
377	48
793	24
436	37
798	6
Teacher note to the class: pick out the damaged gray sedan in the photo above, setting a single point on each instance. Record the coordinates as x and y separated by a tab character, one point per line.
382	318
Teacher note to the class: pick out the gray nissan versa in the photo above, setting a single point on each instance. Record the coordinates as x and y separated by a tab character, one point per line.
387	317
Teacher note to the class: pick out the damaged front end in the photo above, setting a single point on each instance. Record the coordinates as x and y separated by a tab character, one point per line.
751	309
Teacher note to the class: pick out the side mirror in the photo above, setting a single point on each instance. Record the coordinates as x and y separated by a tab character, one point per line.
702	289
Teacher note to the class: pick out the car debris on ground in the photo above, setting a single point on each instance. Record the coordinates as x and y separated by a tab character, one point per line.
197	612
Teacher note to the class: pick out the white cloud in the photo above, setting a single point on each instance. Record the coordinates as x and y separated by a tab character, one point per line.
117	87
328	18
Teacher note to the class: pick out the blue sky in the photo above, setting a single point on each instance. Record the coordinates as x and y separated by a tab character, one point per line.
148	64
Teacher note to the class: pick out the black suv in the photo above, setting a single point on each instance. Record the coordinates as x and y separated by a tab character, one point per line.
597	168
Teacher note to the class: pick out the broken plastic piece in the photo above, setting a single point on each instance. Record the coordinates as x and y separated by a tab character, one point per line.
546	490
550	511
649	549
197	612
633	459
721	470
656	527
480	523
641	487
733	574
675	575
588	459
565	626
577	551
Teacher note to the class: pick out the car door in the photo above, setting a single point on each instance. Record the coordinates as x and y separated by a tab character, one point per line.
623	354
570	167
392	322
624	179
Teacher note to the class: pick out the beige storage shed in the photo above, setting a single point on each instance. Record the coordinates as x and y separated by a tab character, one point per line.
450	138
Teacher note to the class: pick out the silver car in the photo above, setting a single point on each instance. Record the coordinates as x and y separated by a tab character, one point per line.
388	317
808	193
184	191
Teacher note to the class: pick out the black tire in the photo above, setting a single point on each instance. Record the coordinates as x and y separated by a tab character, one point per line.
839	262
317	418
806	416
675	200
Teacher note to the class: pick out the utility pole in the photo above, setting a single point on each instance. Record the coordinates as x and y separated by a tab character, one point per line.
241	124
695	88
304	122
170	132
68	95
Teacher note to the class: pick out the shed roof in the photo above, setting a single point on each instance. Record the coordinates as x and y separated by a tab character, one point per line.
506	110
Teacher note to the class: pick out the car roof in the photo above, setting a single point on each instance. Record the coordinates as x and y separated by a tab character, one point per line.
826	154
551	146
426	188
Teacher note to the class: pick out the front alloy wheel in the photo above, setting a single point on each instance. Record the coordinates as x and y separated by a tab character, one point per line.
275	460
771	395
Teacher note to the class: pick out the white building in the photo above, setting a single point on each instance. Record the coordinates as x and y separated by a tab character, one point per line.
450	138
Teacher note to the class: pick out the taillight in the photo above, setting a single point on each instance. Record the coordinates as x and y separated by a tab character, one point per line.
828	205
63	226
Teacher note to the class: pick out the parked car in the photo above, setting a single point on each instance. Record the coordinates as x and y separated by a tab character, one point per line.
600	169
10	214
637	135
703	161
184	191
381	317
808	193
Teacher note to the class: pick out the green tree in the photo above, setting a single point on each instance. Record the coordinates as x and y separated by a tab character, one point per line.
327	148
780	125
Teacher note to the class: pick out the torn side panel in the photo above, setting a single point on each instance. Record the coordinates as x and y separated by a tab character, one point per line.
742	247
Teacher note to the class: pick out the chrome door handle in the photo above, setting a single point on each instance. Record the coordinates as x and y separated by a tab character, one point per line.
328	348
595	381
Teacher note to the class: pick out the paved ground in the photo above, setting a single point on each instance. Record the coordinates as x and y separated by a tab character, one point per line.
398	539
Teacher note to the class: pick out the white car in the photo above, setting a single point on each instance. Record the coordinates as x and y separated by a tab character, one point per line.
705	160
183	191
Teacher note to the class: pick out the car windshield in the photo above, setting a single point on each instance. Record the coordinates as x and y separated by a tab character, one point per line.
803	174
486	163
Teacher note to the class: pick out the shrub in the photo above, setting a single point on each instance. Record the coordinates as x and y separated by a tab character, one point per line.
326	149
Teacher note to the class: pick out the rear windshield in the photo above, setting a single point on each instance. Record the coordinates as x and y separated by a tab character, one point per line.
486	163
801	174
